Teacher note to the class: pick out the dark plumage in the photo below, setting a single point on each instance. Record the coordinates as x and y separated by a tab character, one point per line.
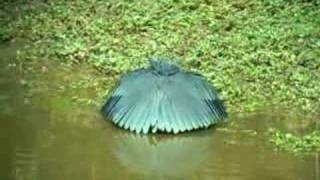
163	98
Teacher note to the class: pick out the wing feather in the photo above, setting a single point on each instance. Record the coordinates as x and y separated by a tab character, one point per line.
145	101
194	102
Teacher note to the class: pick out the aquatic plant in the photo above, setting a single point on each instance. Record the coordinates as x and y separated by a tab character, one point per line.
289	142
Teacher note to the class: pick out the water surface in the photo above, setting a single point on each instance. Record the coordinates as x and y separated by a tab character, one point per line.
47	133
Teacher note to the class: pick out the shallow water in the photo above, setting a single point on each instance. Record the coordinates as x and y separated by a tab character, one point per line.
47	133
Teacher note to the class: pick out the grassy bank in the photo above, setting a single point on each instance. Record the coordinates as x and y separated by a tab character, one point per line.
255	52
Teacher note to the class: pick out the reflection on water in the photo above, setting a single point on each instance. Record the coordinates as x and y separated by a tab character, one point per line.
51	137
155	157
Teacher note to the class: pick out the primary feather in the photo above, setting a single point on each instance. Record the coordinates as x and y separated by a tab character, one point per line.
163	98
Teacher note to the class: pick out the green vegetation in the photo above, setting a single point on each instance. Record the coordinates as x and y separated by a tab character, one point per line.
4	20
256	52
290	142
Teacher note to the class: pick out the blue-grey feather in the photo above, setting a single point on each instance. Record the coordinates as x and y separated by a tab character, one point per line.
163	98
163	66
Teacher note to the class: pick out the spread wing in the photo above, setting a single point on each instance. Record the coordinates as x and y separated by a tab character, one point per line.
131	105
145	101
188	102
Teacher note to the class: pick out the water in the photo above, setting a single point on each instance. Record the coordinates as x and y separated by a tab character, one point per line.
49	133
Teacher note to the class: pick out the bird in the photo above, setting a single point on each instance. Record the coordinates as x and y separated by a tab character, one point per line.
163	98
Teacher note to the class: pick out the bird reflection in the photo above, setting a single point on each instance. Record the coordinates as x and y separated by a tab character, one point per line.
162	156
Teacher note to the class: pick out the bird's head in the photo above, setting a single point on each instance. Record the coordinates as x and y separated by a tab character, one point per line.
163	66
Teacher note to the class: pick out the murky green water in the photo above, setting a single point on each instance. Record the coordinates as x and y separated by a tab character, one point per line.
45	133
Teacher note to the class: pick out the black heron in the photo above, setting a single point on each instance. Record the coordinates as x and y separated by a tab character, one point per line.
163	98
